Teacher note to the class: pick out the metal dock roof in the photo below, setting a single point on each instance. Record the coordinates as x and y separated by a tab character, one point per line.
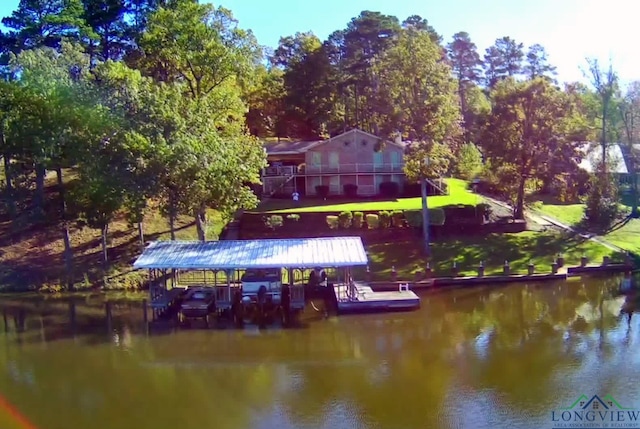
244	254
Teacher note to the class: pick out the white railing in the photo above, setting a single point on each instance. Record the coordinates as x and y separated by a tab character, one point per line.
353	168
282	170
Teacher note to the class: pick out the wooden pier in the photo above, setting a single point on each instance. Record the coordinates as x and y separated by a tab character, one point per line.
359	297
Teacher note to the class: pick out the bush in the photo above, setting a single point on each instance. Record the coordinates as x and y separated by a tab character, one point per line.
413	189
350	190
469	162
322	191
272	222
397	218
358	219
602	202
293	217
414	217
385	219
372	221
332	221
389	189
344	219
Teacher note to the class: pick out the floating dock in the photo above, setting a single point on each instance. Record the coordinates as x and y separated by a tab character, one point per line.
359	297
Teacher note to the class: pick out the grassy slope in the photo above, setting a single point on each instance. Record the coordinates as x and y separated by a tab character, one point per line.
31	256
493	250
458	194
626	236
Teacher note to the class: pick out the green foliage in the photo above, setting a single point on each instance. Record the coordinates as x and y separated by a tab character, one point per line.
397	218
468	162
384	218
358	220
602	206
530	124
414	217
373	222
333	221
293	217
273	222
345	219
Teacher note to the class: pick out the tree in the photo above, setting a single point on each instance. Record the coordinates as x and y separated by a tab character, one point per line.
108	37
630	115
465	64
537	64
502	60
469	161
605	82
529	120
421	94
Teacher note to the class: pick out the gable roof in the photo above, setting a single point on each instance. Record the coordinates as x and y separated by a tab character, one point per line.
300	147
592	154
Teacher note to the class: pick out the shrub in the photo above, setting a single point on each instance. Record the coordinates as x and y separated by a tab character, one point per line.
350	190
372	221
322	191
462	215
272	222
293	217
389	189
397	218
344	219
602	202
385	219
469	162
332	221
358	220
414	217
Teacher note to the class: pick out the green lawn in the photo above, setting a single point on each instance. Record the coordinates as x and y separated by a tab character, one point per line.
493	250
458	194
625	236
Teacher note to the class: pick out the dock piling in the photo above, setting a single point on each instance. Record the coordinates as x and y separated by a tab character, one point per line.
427	271
481	269
506	269
554	267
583	261
531	269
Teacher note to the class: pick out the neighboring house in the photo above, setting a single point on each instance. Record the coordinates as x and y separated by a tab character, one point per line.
618	154
354	157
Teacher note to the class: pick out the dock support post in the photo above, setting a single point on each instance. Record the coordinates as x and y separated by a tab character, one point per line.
427	271
506	269
4	319
481	269
560	260
583	261
368	274
531	268
606	260
454	269
554	267
145	315
394	274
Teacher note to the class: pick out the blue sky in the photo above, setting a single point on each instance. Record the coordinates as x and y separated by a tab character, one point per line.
570	30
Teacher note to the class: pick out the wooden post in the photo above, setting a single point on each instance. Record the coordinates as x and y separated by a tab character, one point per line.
532	268
560	260
454	269
368	274
554	267
481	269
506	269
427	271
583	261
4	319
394	274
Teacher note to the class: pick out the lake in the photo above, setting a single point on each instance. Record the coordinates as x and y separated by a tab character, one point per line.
502	356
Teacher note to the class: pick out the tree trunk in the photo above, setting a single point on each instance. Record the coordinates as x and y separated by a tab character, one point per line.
68	251
172	217
10	194
105	256
425	214
201	219
38	199
519	208
141	234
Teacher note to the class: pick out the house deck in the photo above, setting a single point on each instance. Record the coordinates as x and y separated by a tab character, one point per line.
361	298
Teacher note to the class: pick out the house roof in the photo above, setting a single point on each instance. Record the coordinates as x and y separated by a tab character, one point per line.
592	154
246	254
299	147
288	147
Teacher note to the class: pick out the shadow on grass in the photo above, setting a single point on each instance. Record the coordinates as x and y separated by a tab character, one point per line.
493	250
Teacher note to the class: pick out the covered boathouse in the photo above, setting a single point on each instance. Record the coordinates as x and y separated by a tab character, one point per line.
175	265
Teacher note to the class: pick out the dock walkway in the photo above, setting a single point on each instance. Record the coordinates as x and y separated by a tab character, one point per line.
364	299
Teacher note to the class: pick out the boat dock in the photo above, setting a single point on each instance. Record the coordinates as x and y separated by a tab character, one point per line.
359	297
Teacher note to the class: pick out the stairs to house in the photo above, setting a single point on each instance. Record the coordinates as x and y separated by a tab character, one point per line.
439	185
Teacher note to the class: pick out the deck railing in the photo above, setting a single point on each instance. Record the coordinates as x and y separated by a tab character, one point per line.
354	168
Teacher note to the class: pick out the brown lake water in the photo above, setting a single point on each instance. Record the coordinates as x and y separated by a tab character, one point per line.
495	357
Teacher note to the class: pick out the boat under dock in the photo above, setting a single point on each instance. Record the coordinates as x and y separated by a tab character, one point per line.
360	298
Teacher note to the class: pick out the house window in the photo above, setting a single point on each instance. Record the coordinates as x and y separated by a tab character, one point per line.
378	161
334	161
316	159
396	160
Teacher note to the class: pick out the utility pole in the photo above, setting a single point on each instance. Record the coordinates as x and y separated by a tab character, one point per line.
425	209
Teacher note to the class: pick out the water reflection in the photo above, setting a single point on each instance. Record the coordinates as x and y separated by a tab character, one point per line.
492	357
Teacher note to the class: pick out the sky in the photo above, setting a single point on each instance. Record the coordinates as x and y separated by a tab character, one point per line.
570	30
